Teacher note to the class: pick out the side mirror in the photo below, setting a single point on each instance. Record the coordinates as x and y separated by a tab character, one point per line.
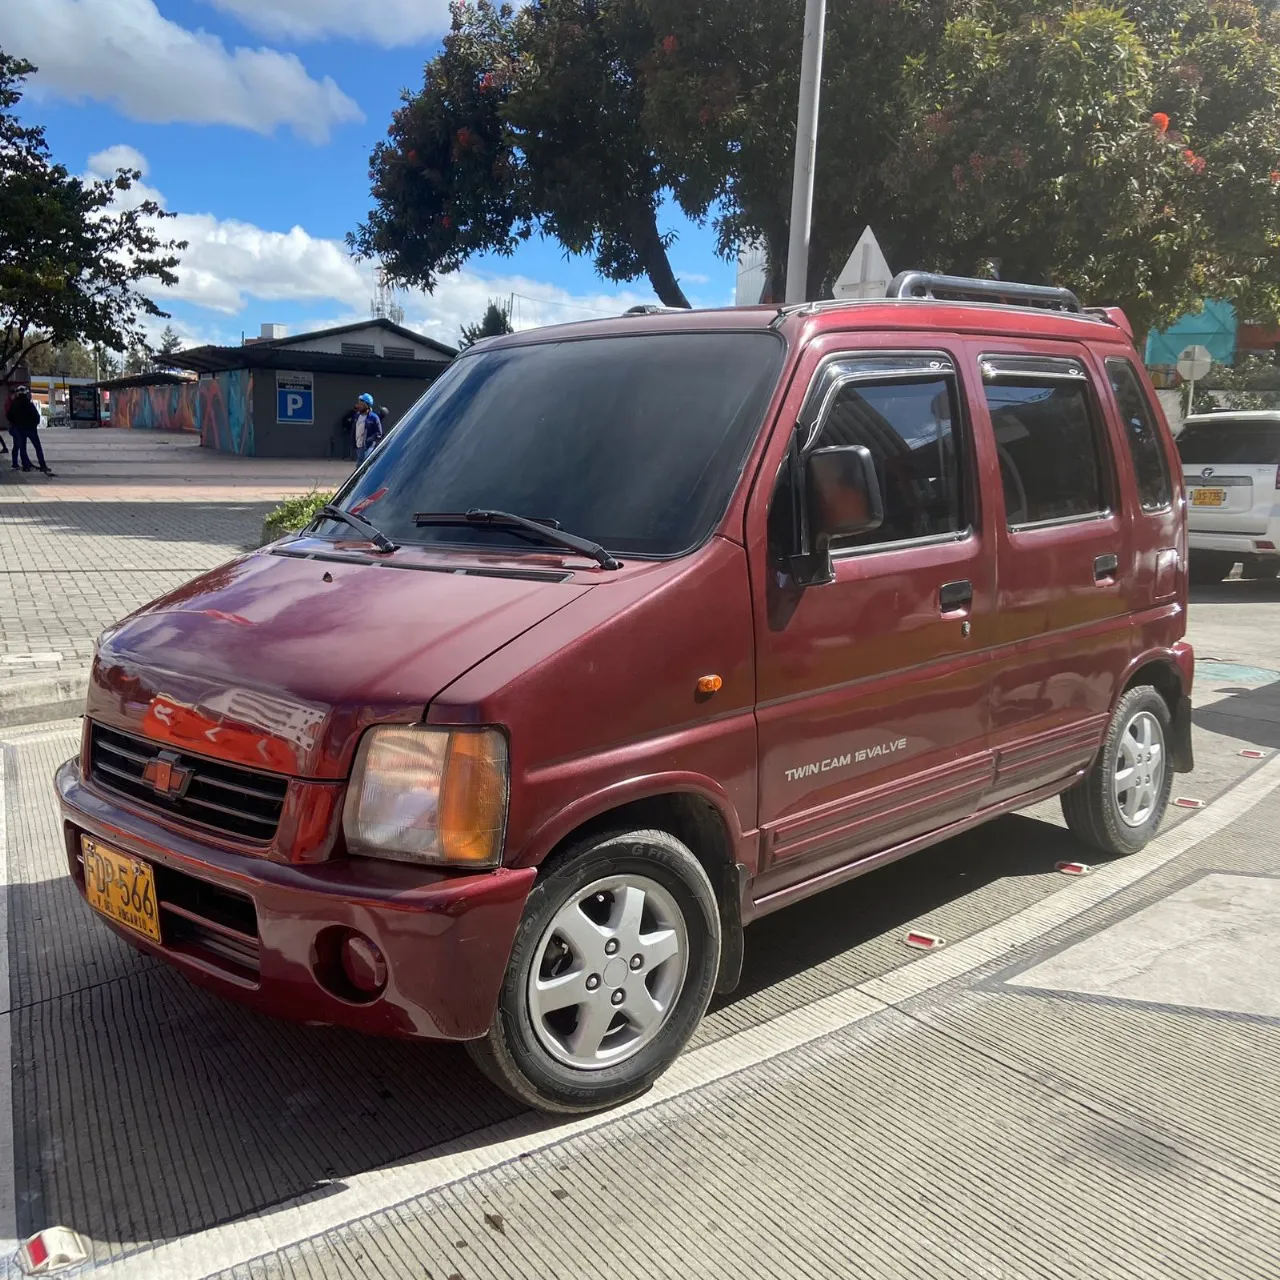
842	493
842	498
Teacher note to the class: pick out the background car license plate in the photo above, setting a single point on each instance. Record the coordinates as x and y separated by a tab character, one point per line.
121	887
1208	497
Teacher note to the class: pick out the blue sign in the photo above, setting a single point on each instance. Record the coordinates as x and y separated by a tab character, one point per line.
295	398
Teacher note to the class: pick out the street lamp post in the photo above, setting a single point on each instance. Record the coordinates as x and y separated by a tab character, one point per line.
815	16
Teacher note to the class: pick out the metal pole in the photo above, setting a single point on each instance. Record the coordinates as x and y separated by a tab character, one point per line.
815	16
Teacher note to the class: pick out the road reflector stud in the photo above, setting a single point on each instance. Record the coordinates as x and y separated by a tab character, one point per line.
51	1250
1073	868
924	941
1250	754
1185	802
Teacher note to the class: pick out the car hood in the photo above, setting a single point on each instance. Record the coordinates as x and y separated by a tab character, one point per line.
280	660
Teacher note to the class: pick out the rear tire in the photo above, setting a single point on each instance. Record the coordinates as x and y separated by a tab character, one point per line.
1261	568
613	965
1117	806
1210	566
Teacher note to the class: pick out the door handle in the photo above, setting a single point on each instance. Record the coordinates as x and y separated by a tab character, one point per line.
955	595
1105	566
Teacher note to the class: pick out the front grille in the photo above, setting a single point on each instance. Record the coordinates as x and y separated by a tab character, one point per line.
218	797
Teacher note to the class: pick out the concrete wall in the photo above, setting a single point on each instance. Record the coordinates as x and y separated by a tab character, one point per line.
334	394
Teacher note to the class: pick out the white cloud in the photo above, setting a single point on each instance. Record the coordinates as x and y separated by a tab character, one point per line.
123	52
228	263
103	164
383	22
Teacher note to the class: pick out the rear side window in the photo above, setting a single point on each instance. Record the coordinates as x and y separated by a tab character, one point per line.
1140	431
1046	438
909	428
1232	441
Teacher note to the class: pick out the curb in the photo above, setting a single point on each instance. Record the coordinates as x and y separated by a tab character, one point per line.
58	697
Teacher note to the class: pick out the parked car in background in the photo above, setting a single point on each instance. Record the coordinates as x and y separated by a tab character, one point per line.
632	632
1231	470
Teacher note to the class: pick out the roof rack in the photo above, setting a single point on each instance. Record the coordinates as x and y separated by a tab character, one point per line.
925	284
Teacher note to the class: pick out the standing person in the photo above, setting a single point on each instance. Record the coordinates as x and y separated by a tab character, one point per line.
367	428
24	425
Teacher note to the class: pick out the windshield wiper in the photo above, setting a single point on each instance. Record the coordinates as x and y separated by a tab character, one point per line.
370	530
548	531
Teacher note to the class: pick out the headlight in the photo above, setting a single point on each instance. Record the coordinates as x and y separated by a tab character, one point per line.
420	794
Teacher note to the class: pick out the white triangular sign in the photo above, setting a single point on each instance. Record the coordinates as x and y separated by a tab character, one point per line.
866	274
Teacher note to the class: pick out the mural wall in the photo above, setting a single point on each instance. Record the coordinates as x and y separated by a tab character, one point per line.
218	409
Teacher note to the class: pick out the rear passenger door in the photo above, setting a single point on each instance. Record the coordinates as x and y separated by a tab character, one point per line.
872	688
1065	570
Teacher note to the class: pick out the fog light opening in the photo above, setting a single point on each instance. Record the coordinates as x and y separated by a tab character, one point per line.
349	965
363	965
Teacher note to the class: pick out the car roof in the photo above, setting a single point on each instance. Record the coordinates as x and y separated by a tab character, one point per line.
1233	415
810	319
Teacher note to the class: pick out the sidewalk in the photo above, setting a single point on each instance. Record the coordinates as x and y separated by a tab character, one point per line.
128	516
1083	1085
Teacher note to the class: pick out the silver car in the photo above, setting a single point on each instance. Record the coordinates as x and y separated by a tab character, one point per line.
1231	470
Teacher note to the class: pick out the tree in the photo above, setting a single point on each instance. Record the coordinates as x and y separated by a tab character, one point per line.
723	82
170	344
1071	144
495	321
528	121
71	263
72	358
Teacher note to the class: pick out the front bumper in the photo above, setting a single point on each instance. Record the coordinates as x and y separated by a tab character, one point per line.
445	936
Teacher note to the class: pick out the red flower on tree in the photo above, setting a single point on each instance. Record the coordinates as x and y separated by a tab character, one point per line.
465	137
1160	122
445	221
1193	162
669	45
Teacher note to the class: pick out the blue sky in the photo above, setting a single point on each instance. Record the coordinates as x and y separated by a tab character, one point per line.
253	120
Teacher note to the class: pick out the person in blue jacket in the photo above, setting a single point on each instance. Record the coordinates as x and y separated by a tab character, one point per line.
367	428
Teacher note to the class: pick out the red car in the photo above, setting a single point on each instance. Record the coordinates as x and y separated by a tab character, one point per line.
634	631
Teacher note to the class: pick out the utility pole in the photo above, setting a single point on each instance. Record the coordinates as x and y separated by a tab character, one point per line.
815	17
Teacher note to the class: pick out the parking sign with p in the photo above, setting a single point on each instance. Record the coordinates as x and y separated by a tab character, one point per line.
295	398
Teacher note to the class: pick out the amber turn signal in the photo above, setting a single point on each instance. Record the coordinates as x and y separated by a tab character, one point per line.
710	684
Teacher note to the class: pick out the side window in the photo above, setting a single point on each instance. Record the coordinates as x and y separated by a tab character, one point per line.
909	427
1046	438
1149	462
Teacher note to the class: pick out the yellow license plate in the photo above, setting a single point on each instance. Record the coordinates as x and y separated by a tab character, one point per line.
121	887
1208	497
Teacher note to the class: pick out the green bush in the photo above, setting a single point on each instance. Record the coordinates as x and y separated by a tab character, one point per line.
293	514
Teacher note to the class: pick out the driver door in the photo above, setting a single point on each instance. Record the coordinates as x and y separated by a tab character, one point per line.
872	688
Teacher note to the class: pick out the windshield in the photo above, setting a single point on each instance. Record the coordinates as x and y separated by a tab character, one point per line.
634	442
1239	441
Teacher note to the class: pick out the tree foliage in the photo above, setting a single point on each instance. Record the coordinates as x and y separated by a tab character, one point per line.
528	120
1128	150
495	322
73	359
71	263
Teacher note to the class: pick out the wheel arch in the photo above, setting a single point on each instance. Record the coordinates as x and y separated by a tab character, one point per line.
698	816
1165	670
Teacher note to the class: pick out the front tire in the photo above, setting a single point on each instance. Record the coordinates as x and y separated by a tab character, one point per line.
1118	805
613	965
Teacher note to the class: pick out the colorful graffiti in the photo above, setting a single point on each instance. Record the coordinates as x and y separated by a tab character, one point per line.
219	409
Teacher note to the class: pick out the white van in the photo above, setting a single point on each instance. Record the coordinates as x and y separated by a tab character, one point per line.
1231	469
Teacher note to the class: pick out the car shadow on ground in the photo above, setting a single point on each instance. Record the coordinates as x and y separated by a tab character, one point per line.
147	1109
1248	715
1236	591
